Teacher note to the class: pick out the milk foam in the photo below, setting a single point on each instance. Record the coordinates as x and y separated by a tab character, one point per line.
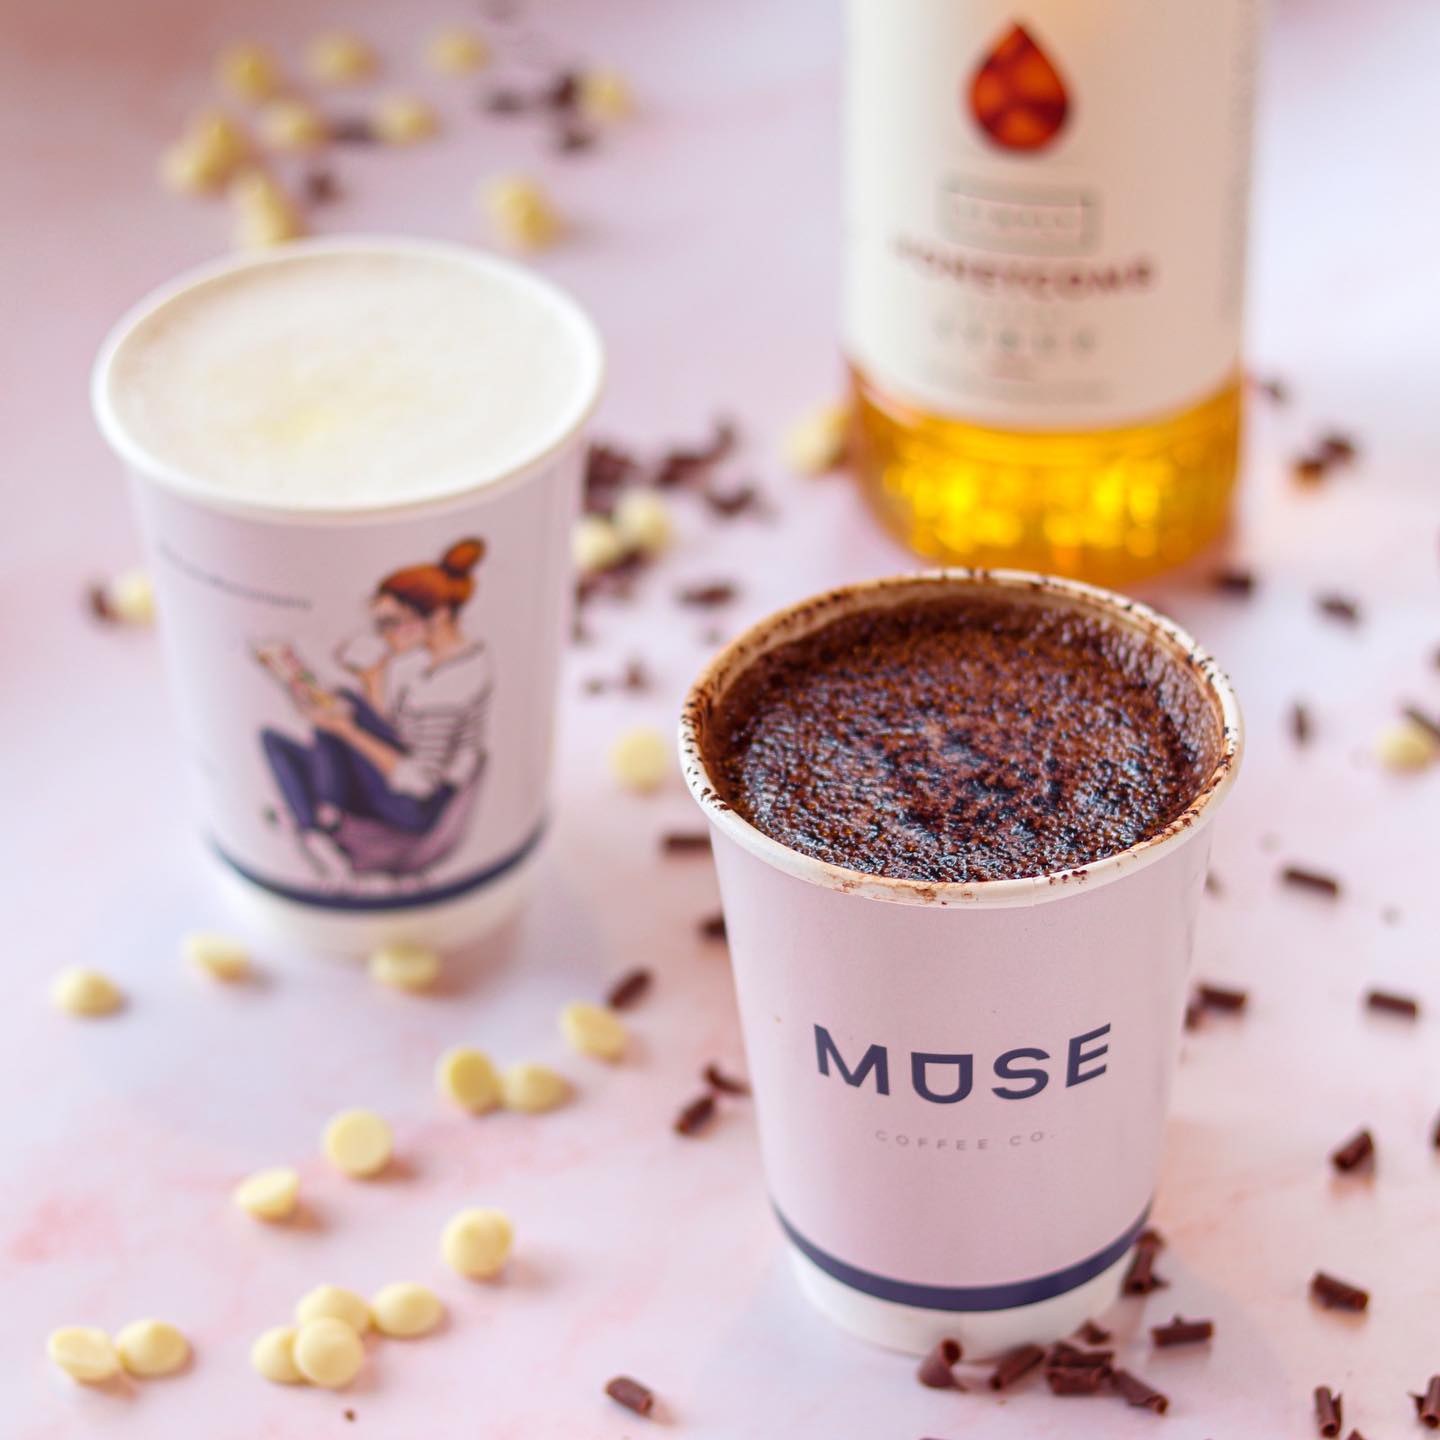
353	377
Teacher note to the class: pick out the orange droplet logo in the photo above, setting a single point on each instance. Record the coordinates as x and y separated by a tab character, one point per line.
1017	95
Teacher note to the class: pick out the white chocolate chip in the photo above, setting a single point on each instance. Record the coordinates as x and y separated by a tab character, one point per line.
593	1030
456	52
86	992
640	759
532	1088
222	957
273	1356
642	519
1406	746
265	213
520	213
476	1243
339	58
333	1302
293	125
404	1310
405	967
131	596
404	120
605	95
269	1194
151	1347
84	1353
595	544
817	442
248	72
328	1353
358	1143
468	1078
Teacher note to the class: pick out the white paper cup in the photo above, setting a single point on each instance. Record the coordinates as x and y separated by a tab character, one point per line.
994	1219
258	601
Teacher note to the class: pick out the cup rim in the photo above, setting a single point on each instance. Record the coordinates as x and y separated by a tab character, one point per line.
795	621
179	480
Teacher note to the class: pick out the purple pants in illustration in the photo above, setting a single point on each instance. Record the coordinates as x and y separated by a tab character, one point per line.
330	771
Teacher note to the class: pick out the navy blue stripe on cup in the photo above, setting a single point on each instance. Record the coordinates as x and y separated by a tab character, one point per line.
967	1297
410	900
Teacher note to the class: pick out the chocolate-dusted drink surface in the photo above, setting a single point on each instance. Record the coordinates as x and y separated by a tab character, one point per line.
964	738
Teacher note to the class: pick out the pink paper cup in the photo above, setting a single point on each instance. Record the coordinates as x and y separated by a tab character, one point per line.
264	605
961	1089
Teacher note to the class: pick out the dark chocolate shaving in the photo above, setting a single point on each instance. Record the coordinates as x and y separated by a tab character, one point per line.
729	503
1300	727
722	1083
1134	1391
1093	1334
631	1394
685	842
1314	880
1310	467
571	138
1336	1294
1015	1364
1327	1411
1272	389
563	93
1338	448
1182	1332
321	187
1213	885
1220	997
936	1369
607	470
1338	607
97	603
629	989
685	467
696	1115
353	130
712	927
1194	1013
505	102
1234	581
1419	718
1427	1406
714	592
1355	1152
1392	1004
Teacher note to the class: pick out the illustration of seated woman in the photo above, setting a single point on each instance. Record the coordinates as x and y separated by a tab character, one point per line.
390	774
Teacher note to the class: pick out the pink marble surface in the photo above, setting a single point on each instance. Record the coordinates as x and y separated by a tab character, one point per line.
705	243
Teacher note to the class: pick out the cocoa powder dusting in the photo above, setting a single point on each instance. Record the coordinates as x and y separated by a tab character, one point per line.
968	738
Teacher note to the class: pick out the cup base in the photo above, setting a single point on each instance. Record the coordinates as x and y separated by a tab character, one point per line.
981	1333
450	922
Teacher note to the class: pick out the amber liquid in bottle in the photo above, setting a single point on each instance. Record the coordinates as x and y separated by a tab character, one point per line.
1044	275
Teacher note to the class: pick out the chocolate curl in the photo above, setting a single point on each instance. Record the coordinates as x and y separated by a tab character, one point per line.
1336	1294
1134	1391
685	842
1014	1364
1141	1278
1313	880
1355	1152
1221	997
1402	1005
722	1083
695	1116
936	1368
1077	1379
1183	1332
1064	1356
1427	1406
1093	1334
629	989
631	1394
1327	1411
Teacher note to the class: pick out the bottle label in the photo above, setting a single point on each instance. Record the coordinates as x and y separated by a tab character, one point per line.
1045	211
